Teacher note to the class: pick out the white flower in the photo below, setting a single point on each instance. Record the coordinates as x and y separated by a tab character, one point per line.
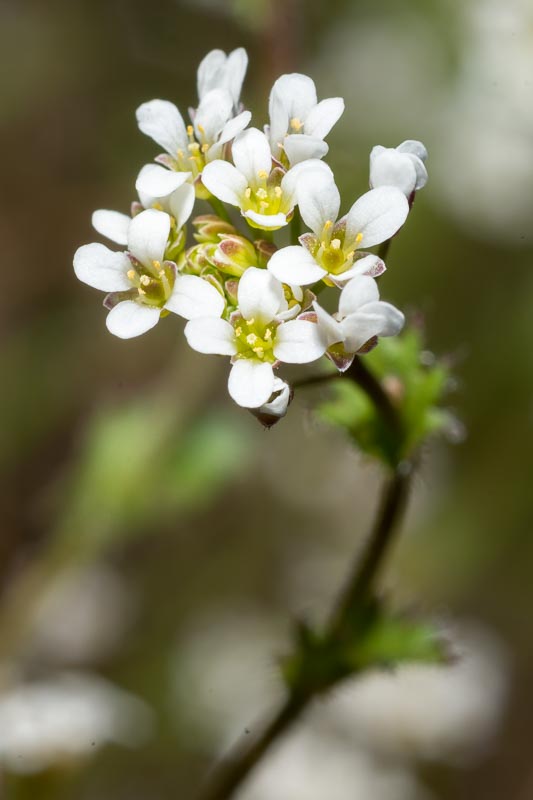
276	407
298	122
257	337
402	166
214	123
361	317
330	252
265	195
142	284
157	188
220	71
44	723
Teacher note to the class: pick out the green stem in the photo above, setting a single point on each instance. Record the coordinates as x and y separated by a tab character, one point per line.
219	208
296	227
235	769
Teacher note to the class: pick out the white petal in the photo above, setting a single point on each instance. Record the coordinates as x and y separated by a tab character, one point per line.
99	267
251	155
234	126
356	293
157	182
300	147
193	297
421	173
299	341
181	204
358	328
112	224
295	265
210	69
319	200
291	179
370	265
391	168
415	147
250	383
162	121
236	65
148	236
267	221
377	215
212	114
323	117
328	325
129	319
260	295
224	181
278	406
211	335
392	318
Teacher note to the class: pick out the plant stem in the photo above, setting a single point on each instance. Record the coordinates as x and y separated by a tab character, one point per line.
235	769
219	208
296	227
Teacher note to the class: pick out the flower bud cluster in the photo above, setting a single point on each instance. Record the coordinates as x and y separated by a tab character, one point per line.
242	295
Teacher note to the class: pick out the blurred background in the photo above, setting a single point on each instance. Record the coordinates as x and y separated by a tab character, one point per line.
155	542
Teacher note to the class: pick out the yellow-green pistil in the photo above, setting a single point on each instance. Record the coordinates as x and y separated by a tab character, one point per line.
329	250
153	284
265	196
255	339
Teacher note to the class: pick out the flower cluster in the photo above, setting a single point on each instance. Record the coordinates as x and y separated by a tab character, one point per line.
242	295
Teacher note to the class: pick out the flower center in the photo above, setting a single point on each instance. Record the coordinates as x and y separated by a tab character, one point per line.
265	195
331	252
255	339
154	284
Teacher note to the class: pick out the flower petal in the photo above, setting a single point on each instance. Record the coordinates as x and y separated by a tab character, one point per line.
251	155
328	325
260	295
414	147
99	267
211	335
323	117
162	121
157	182
234	126
300	147
112	224
377	216
390	168
224	181
267	221
392	318
181	204
290	181
292	97
129	319
276	407
295	265
250	383
193	297
356	293
299	341
148	236
319	199
370	264
236	66
210	72
212	114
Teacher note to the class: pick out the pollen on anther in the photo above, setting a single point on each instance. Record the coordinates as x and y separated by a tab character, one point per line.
268	334
248	193
263	174
145	280
327	224
205	148
238	331
335	244
190	130
277	191
201	128
251	339
358	238
131	274
156	265
260	351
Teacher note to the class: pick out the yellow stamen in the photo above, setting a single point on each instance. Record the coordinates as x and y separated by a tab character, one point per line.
263	174
248	193
268	334
335	244
277	191
156	265
145	280
238	331
358	239
260	351
141	291
251	338
131	274
205	148
250	321
157	206
296	124
201	129
190	130
262	193
327	224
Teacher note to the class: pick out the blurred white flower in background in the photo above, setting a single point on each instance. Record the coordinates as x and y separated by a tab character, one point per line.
67	717
315	765
82	616
437	713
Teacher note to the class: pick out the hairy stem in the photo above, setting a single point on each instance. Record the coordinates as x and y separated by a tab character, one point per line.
236	767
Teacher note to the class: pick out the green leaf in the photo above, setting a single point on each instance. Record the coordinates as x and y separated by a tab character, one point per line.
393	640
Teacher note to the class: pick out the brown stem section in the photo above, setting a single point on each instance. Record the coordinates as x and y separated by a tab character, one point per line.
235	769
